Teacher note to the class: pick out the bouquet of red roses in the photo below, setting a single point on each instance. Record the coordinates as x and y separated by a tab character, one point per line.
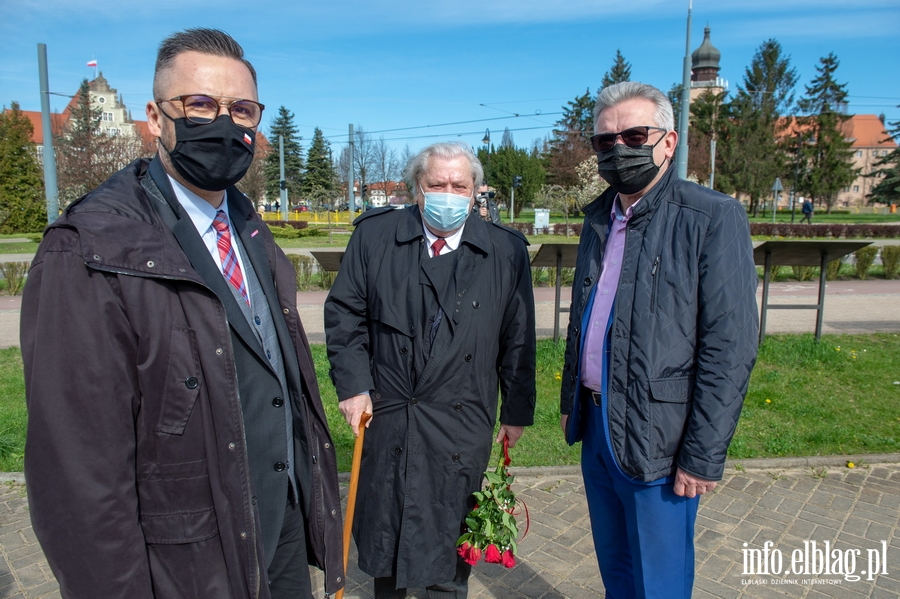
491	527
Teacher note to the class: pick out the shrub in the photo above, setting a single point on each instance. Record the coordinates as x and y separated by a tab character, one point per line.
284	232
804	273
832	270
296	224
14	273
864	259
890	259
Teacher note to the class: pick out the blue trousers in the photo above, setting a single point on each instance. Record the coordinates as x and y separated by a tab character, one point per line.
643	533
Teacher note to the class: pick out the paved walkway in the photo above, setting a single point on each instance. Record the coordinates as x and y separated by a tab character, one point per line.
790	503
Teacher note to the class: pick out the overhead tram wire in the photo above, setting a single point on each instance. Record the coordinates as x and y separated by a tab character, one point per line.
499	118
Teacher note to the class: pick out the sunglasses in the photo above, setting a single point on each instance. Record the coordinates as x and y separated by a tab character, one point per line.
634	137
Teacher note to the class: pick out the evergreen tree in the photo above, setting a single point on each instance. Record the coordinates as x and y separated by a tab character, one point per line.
620	71
22	207
752	153
828	158
887	190
571	144
508	162
319	173
507	140
283	125
707	112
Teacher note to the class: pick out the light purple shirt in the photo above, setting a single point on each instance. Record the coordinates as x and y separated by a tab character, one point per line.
604	296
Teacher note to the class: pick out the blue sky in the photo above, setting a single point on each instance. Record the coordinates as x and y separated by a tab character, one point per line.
392	64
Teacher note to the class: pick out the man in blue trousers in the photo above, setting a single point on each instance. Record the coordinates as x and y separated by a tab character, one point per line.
661	342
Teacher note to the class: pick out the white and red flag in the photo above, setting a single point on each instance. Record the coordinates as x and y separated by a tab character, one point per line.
92	63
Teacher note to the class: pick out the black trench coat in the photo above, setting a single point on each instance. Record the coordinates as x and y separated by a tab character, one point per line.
430	439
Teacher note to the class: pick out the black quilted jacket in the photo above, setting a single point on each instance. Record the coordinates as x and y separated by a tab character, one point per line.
684	330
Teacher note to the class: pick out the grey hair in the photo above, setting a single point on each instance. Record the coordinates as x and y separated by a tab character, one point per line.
446	150
629	90
205	41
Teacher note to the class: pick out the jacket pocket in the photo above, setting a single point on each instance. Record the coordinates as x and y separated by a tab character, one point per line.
655	276
182	384
179	527
670	405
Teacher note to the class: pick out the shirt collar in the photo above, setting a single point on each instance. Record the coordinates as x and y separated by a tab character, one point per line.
616	211
199	210
452	240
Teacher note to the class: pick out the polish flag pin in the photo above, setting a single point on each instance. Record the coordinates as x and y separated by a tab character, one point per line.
248	140
253	234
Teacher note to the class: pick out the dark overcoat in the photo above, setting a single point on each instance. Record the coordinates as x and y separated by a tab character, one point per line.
430	438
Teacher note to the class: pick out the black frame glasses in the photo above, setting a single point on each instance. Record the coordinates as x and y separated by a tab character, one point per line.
203	109
633	137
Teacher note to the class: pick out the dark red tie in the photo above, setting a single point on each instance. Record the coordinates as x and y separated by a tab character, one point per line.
436	247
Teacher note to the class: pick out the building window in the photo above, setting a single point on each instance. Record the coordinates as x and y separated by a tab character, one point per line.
108	116
112	131
858	153
855	188
101	99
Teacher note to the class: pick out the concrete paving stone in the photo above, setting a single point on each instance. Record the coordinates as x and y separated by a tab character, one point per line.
709	540
716	567
31	575
856	525
770	501
821	498
769	515
878	532
540	585
757	488
891	502
843	504
856	478
716	588
838	486
875	513
518	576
705	521
880	472
47	589
558	566
571	591
557	508
822	516
750	533
739	508
561	552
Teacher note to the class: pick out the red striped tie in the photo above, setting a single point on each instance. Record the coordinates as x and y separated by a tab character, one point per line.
231	269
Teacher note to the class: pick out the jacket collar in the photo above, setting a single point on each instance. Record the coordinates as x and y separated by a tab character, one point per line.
600	208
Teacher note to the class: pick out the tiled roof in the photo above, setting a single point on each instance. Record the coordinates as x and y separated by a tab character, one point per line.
866	131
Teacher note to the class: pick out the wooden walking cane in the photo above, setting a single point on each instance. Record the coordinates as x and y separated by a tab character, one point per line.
351	495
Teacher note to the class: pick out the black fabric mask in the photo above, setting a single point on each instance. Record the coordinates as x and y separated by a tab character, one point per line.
627	170
214	156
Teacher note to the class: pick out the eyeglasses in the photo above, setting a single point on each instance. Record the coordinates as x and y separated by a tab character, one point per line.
633	138
203	109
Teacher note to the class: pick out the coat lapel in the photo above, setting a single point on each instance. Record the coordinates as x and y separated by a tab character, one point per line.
195	250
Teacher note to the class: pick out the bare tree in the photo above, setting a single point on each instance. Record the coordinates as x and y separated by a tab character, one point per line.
385	165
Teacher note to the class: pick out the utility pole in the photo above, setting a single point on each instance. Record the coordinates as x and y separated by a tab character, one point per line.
351	197
51	189
685	113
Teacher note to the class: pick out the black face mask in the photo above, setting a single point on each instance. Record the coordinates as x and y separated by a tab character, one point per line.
627	170
213	156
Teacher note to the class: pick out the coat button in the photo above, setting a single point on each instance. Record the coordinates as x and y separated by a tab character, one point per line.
286	311
150	264
218	351
414	401
455	457
468	357
398	450
279	466
243	535
475	304
587	281
191	382
232	446
257	320
458	407
278	402
403	350
253	500
327	446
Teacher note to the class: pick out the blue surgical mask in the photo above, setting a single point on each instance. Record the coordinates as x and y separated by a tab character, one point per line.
445	211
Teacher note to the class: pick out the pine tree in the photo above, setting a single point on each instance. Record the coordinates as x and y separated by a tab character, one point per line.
828	158
571	144
283	125
752	155
22	207
620	71
887	190
319	173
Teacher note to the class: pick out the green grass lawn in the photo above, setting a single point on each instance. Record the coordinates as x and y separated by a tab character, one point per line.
836	397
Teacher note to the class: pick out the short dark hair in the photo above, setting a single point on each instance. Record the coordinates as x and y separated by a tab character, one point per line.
206	41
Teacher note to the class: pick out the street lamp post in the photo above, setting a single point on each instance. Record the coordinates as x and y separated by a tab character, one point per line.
487	142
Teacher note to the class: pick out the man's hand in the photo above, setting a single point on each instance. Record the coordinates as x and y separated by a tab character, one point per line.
688	485
563	421
352	409
509	432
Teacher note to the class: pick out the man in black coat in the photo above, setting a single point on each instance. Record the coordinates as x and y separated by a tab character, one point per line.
661	342
431	311
177	445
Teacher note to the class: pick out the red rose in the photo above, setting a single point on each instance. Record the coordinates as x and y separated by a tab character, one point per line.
492	554
463	550
474	556
509	560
